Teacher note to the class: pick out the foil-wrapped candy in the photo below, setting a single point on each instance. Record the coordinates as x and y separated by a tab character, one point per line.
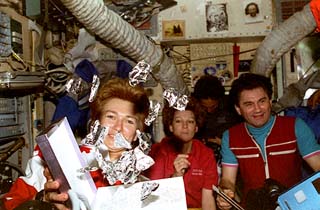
130	164
97	134
171	95
175	99
87	169
154	109
76	85
143	161
144	141
128	167
181	103
121	142
122	170
94	87
90	137
147	188
139	73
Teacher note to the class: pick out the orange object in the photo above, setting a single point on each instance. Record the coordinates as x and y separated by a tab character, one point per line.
315	9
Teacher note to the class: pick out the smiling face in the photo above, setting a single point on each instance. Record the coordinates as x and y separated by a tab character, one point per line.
119	116
184	125
254	107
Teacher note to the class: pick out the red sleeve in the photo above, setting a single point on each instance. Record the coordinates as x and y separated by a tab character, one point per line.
315	9
20	192
211	173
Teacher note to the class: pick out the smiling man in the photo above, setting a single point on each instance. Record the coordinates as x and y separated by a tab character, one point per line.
264	146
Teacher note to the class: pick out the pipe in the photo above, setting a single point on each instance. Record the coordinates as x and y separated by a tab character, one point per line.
281	39
293	94
110	27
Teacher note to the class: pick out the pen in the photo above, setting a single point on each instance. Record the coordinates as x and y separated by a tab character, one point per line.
227	198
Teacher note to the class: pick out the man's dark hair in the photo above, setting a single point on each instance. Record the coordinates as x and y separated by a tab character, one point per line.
208	86
249	81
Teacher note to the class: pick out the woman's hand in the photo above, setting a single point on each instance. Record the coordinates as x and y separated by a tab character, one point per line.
52	194
181	165
222	203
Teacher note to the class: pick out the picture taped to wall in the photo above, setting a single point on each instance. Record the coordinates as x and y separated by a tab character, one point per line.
244	65
252	11
220	69
173	29
217	17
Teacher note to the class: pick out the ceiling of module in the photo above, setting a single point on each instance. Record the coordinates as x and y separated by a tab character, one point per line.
136	12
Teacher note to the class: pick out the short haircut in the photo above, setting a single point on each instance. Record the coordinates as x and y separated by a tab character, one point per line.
120	88
168	114
249	81
208	87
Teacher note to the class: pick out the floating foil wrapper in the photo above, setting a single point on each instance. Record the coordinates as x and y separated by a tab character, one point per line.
94	87
181	103
144	141
139	73
131	163
153	112
127	168
171	95
121	142
175	99
75	85
147	188
97	134
93	131
123	170
143	161
87	169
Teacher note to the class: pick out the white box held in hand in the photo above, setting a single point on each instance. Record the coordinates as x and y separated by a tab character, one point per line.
63	157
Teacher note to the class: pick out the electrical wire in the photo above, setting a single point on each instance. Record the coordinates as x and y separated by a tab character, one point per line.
55	79
212	57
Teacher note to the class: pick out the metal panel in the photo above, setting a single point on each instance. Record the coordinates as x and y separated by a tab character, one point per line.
13	117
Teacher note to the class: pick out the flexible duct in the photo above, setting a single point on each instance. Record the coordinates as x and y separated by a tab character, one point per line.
109	26
281	39
293	94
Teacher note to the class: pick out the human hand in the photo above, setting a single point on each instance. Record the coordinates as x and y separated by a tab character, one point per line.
181	164
222	203
52	194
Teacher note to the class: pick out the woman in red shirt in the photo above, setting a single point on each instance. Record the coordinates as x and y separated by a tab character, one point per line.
179	154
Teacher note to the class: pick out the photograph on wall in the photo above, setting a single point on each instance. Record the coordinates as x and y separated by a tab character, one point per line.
216	17
244	66
173	29
252	11
150	27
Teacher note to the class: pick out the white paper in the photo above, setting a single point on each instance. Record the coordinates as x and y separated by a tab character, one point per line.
169	195
67	152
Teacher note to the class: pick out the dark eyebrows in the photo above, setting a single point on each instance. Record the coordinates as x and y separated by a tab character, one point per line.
263	98
247	103
250	102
